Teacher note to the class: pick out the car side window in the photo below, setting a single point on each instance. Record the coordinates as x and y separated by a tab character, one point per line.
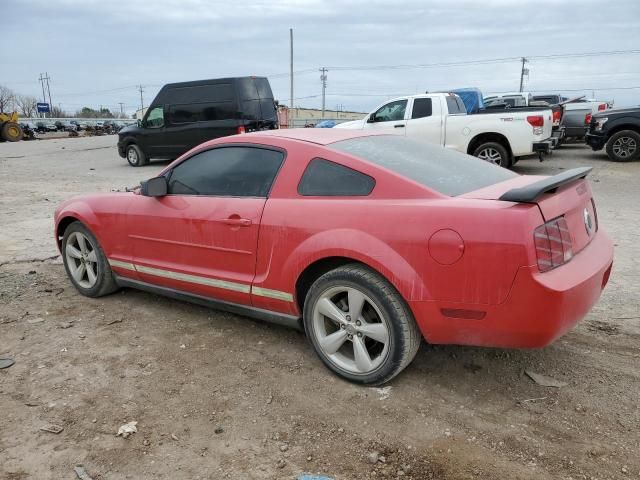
323	178
155	119
391	111
422	107
453	106
227	172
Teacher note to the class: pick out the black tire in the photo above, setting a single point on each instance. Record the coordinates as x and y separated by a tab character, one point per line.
11	132
404	337
135	156
105	283
624	146
483	152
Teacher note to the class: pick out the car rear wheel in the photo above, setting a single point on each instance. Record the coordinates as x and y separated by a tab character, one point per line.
135	156
359	325
624	146
493	152
86	263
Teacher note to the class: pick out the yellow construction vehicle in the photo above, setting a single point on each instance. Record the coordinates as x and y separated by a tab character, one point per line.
10	130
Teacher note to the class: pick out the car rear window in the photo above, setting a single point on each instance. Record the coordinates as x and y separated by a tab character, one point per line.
446	171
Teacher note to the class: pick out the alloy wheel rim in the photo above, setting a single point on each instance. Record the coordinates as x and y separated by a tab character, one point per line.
350	330
624	147
490	155
132	156
82	260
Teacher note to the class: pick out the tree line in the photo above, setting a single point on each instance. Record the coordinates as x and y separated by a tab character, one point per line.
25	105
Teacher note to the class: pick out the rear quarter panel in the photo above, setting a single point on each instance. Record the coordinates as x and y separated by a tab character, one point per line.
390	231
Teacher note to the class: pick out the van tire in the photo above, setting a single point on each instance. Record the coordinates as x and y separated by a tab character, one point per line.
135	156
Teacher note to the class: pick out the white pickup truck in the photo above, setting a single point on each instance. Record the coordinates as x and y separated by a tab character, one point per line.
501	137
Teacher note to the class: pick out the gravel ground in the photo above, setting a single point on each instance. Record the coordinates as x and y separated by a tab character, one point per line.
217	395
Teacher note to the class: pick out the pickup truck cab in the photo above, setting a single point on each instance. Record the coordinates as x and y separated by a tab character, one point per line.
619	130
498	136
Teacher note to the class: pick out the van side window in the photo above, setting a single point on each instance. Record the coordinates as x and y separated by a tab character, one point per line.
227	172
155	119
323	178
421	108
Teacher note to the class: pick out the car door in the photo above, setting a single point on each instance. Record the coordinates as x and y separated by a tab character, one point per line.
425	120
202	236
389	118
152	137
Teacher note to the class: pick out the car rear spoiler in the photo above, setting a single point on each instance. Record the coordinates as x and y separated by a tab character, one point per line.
529	193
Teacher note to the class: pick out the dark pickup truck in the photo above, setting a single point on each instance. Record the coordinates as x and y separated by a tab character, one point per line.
619	130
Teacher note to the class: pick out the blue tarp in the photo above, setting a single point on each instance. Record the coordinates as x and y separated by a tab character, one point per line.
472	98
326	124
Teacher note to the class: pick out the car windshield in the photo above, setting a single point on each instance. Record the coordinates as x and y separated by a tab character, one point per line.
445	171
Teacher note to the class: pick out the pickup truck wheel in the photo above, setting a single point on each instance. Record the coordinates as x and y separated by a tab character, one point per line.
494	153
624	146
359	325
135	155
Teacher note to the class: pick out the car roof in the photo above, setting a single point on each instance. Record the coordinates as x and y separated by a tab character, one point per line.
320	136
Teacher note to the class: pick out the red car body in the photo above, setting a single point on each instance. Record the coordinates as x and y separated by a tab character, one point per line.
467	266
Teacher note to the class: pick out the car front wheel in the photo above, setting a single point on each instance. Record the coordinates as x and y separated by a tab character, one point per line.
85	262
624	146
359	325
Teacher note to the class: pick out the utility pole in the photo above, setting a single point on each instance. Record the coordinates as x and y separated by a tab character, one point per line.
291	65
121	109
44	98
523	72
323	78
141	100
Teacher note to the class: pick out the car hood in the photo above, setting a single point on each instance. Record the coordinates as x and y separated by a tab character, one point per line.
614	111
355	124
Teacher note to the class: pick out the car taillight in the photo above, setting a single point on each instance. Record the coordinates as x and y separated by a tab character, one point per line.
602	106
553	244
241	129
587	118
556	117
536	120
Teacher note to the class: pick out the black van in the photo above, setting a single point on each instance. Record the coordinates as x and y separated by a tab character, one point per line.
187	114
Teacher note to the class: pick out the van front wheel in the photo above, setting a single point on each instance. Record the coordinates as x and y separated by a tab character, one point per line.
135	156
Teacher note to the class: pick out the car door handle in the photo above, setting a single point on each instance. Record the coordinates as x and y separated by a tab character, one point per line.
398	126
237	222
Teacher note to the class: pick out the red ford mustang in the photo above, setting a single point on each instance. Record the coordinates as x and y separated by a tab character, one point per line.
368	242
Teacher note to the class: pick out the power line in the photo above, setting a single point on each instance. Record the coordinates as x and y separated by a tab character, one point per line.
485	61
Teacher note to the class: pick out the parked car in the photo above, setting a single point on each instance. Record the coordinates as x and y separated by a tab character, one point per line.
186	114
499	136
366	241
618	130
44	127
79	126
577	112
29	130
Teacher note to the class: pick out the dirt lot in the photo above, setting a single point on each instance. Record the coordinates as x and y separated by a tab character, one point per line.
219	396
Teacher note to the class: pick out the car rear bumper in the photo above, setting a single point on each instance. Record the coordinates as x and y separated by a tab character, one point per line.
596	141
540	307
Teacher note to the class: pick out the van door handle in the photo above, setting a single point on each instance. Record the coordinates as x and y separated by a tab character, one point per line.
398	126
236	221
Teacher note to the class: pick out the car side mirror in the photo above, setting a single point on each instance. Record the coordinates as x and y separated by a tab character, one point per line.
154	187
371	119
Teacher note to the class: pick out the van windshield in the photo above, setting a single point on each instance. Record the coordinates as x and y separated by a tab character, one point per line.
446	171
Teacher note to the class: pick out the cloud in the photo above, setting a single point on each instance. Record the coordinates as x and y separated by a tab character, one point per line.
90	46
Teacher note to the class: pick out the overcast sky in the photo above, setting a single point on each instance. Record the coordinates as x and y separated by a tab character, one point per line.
97	51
